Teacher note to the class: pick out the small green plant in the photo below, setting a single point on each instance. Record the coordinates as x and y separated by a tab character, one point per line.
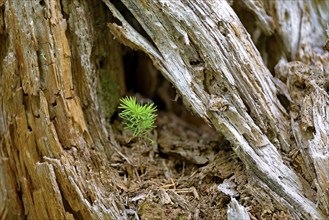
137	118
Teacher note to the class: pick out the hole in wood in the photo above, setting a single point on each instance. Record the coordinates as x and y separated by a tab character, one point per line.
300	85
284	101
130	19
42	3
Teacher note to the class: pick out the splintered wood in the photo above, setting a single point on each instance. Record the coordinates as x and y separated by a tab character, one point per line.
49	168
255	70
202	48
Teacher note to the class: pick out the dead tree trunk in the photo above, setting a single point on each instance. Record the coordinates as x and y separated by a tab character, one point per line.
203	49
62	75
54	146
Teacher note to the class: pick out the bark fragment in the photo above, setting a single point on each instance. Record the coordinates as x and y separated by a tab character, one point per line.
236	211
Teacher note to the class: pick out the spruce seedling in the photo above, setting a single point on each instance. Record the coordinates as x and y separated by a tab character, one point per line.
137	118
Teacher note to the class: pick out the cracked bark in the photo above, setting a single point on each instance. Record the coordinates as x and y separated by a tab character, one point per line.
202	48
54	147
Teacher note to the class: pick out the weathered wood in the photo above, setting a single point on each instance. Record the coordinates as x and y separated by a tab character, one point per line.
61	67
236	211
202	48
264	21
302	29
309	118
50	119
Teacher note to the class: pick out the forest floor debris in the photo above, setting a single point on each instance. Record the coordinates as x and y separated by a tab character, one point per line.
185	174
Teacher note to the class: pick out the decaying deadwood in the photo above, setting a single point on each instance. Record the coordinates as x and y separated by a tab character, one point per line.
205	52
309	118
236	211
50	122
61	76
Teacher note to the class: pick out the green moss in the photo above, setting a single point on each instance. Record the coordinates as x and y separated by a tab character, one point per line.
108	93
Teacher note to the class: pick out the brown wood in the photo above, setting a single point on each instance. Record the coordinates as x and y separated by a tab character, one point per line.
62	74
54	146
